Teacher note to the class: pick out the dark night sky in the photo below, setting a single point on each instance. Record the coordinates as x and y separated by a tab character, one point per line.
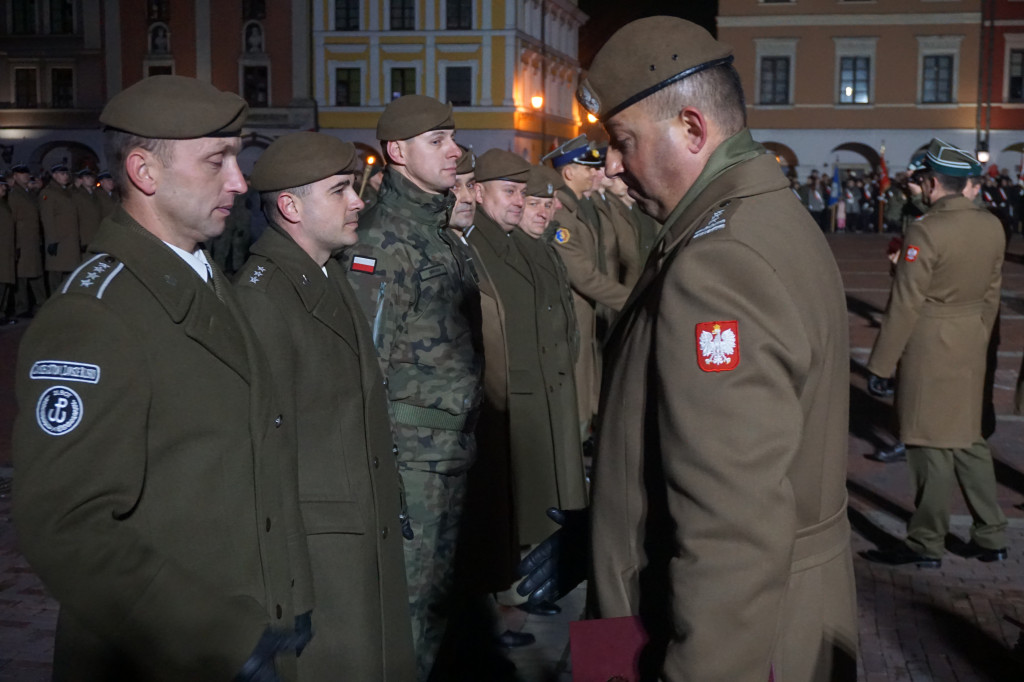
607	16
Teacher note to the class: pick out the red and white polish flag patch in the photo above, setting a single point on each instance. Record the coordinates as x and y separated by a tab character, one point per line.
363	264
912	252
718	345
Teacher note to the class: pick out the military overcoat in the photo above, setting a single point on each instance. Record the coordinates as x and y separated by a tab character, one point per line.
719	498
627	237
152	496
90	212
944	302
28	232
59	217
8	260
106	201
325	367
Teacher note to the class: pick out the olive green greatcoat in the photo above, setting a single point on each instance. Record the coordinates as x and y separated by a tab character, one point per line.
547	465
164	521
8	262
107	202
29	234
627	236
60	228
937	325
576	242
719	497
90	212
325	366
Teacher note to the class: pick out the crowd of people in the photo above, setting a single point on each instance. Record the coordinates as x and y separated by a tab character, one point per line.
459	386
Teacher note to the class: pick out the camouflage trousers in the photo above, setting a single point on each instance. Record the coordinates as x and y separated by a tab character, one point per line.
434	501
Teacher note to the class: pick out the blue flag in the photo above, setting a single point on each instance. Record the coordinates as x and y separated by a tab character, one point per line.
834	196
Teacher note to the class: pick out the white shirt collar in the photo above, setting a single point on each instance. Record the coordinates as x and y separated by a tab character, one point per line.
196	260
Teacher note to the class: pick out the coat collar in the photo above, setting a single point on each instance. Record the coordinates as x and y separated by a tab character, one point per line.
501	243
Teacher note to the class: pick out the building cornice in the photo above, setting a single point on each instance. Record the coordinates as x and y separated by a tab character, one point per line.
852	20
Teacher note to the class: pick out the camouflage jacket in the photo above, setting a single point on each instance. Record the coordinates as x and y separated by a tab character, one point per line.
419	297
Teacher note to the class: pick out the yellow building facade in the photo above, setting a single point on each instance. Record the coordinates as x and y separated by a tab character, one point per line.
509	67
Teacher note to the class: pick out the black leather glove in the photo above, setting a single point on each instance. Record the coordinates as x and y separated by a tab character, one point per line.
879	387
52	249
304	629
260	666
559	563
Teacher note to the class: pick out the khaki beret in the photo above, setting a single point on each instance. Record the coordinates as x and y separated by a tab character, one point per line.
467	162
412	115
643	57
175	108
498	164
300	159
946	159
543	182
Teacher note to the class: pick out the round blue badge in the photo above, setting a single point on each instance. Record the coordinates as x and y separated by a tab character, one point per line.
562	235
59	410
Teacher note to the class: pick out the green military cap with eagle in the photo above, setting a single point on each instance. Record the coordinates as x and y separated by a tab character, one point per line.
946	159
301	159
175	108
543	182
412	115
643	57
498	164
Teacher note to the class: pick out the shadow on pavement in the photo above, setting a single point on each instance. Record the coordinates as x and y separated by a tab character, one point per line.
863	309
1008	476
991	660
871	419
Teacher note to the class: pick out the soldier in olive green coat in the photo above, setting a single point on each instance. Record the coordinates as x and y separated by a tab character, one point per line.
325	367
937	326
718	512
156	496
59	217
106	195
8	264
421	304
87	206
31	289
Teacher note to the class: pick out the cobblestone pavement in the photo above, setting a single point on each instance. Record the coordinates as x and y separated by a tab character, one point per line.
916	625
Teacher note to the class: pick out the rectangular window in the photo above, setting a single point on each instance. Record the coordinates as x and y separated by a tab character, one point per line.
346	15
403	15
62	88
158	10
459	85
460	14
255	85
854	80
403	82
62	17
23	17
774	80
1016	90
254	10
937	79
346	87
25	95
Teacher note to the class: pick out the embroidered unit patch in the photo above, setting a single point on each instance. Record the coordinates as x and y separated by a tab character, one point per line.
562	235
912	252
363	264
59	410
68	371
718	346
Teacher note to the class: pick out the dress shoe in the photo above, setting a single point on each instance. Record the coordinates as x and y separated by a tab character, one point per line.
544	608
511	639
976	551
897	556
897	453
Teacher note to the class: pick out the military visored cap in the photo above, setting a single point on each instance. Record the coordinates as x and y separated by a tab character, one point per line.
85	172
543	182
577	150
175	108
300	159
412	115
946	159
19	168
498	164
104	175
917	162
643	57
467	162
58	168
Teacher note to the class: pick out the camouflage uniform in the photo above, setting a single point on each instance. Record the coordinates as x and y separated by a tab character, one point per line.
420	300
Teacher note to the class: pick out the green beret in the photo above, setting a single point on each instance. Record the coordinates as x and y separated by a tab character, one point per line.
412	115
467	162
301	159
643	57
946	159
498	164
175	108
543	182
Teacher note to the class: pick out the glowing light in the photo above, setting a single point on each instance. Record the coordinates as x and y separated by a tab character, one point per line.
849	91
537	101
983	156
591	118
370	160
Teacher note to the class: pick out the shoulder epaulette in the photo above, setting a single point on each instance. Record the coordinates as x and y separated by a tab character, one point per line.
256	274
93	276
717	218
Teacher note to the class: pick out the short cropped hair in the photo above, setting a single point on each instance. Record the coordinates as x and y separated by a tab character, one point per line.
716	91
118	144
953	185
268	200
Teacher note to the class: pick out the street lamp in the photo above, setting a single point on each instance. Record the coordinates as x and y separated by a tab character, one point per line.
537	101
983	155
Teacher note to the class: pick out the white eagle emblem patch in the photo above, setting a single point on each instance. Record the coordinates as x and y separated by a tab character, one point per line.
718	346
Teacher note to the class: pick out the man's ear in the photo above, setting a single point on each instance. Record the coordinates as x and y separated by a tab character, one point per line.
478	190
143	170
396	151
290	207
694	128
